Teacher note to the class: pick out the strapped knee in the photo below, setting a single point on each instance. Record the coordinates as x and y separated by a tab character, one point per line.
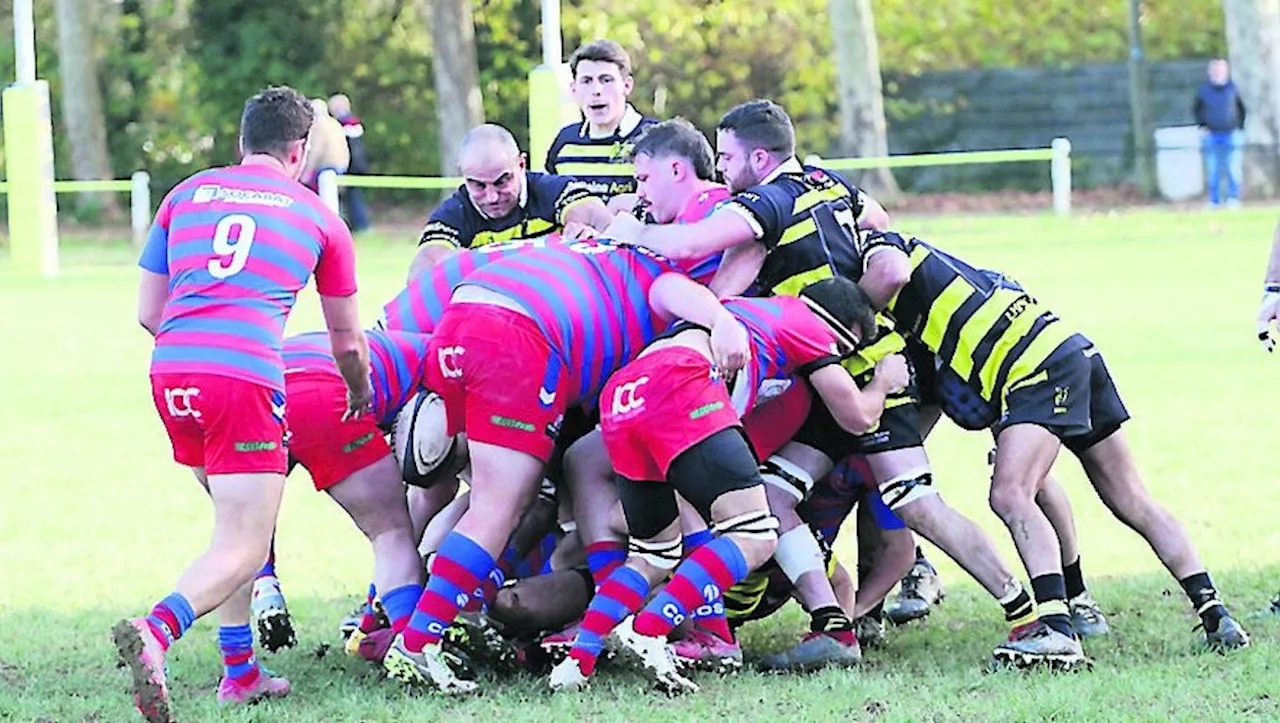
662	554
907	488
751	525
798	553
787	476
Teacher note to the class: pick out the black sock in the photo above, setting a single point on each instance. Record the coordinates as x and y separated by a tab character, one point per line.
1051	602
1075	579
829	619
1204	598
920	555
1019	611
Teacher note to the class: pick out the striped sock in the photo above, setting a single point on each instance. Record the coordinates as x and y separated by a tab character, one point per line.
605	557
457	571
170	618
1051	602
700	579
236	642
399	604
369	620
620	595
709	616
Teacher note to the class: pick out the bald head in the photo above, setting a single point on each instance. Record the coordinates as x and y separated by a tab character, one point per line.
492	169
487	144
339	105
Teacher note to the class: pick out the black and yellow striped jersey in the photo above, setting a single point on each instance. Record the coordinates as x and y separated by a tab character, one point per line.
457	223
807	219
992	334
602	164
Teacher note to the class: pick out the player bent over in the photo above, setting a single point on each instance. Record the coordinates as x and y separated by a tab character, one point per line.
228	252
668	417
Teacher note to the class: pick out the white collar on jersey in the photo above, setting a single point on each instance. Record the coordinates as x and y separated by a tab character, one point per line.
630	120
524	196
791	165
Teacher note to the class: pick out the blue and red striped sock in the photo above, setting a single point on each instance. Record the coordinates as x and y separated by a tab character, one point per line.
709	616
399	604
369	619
605	557
458	569
236	642
170	618
700	579
620	595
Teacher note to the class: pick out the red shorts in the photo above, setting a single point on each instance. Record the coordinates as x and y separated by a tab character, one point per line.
772	424
500	381
657	407
331	449
226	425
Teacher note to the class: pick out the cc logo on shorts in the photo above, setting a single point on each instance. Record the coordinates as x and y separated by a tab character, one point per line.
625	398
179	402
449	365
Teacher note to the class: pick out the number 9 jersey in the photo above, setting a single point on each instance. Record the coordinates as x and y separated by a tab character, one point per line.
237	244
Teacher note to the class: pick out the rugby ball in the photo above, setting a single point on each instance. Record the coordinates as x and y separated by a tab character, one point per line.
419	439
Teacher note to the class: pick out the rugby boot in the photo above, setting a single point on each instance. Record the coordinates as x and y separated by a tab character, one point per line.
654	656
1087	618
871	631
817	650
1228	636
567	676
920	590
702	649
557	645
1036	644
430	669
141	652
265	686
271	616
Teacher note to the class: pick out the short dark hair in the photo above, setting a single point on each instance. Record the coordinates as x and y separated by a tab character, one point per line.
761	124
274	118
846	303
677	137
601	51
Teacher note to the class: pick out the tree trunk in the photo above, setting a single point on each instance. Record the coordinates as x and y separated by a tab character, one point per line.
1253	36
459	105
82	102
862	124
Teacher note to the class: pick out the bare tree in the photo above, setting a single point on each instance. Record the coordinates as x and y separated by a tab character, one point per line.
1253	37
82	100
862	124
459	105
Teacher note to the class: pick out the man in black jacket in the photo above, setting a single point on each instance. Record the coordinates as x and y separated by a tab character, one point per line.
1219	112
357	210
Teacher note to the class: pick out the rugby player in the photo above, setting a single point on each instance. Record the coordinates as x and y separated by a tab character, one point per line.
524	339
1268	321
1052	389
596	151
228	252
670	425
500	201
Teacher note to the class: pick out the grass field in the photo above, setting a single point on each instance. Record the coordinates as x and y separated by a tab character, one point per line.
96	521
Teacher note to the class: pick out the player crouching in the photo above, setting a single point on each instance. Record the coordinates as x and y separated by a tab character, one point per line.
669	416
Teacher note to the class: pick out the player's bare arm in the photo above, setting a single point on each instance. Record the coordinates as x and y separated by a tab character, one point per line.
153	292
858	410
589	212
350	349
1269	314
874	217
685	242
739	268
429	254
888	270
677	296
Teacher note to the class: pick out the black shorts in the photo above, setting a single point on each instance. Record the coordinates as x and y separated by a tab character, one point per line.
1072	395
718	464
924	366
899	428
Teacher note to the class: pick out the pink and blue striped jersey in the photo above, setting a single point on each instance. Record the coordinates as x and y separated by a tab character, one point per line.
420	305
701	205
591	300
786	338
237	244
396	359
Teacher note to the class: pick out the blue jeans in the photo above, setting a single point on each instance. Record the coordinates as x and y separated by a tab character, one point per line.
1221	151
357	209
